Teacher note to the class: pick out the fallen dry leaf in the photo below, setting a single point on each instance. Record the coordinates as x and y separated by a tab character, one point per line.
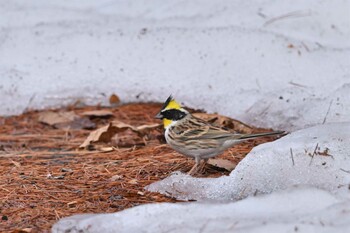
99	135
66	120
114	100
54	118
133	181
224	121
106	149
222	163
116	177
106	133
98	113
79	123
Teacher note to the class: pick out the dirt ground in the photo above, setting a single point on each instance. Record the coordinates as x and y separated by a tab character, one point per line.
45	176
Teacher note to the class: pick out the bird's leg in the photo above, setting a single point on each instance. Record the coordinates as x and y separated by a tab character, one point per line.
194	169
202	166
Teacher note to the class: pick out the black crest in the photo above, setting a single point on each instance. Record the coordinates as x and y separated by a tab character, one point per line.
170	98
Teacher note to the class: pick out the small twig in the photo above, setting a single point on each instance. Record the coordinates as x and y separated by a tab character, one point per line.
5	189
297	84
341	169
293	14
315	150
29	103
291	155
230	152
319	45
107	170
261	15
265	109
313	154
305	46
57	215
240	196
329	108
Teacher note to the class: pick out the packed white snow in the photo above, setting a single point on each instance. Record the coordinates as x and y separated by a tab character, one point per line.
301	209
294	108
251	53
318	156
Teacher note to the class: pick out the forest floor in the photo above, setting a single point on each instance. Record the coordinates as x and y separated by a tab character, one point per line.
46	174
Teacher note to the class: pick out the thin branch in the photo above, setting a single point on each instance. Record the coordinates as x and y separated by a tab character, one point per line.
305	46
329	108
297	84
294	14
291	155
313	154
341	169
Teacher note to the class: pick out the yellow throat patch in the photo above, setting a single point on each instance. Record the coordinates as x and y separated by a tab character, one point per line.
166	122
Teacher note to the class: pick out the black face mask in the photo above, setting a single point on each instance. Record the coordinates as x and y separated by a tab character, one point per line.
173	114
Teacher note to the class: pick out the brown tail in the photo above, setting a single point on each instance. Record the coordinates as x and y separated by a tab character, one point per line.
249	136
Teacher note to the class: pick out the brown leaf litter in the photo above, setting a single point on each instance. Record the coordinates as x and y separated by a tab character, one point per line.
44	175
106	133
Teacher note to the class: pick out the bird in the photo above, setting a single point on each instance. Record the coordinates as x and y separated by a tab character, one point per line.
197	138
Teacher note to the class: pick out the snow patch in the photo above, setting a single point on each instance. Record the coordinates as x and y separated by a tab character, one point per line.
251	52
297	107
301	210
317	156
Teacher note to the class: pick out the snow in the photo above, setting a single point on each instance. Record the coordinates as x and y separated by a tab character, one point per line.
270	167
278	64
295	107
294	210
78	50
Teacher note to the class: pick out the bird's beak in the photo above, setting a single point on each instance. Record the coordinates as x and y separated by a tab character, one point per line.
159	115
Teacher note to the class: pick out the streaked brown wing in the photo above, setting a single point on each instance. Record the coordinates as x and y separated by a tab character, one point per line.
197	129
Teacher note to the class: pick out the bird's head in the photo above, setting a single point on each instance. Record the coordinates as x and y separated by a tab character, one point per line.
171	112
